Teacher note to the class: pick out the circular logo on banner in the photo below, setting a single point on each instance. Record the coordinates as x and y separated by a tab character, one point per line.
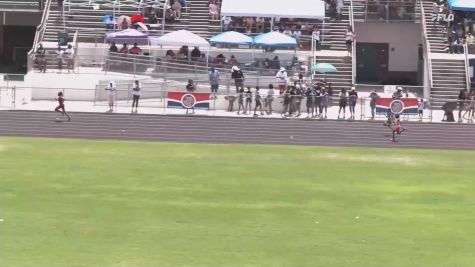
396	106
188	101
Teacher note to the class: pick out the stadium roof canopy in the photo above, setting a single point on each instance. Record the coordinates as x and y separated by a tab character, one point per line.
303	9
462	5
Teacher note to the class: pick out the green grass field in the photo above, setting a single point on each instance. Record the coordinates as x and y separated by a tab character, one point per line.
71	203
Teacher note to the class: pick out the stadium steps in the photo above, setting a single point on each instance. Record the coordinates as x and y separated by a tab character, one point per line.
448	77
435	33
199	17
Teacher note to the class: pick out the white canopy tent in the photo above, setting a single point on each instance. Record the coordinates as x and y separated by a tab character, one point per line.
303	9
180	38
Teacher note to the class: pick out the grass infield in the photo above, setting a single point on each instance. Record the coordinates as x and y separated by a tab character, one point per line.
71	203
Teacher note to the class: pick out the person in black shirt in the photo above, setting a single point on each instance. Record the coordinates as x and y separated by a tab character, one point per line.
238	77
287	99
195	54
190	87
310	94
113	48
318	101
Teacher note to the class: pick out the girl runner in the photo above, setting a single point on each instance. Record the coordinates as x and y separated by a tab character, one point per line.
397	128
60	107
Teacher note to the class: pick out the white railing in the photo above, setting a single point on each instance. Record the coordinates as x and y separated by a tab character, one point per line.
426	44
467	66
40	30
353	46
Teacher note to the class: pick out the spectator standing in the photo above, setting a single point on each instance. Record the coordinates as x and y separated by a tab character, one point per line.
59	58
258	99
310	94
111	92
214	81
248	100
40	56
69	56
420	108
213	11
287	99
135	95
238	77
353	98
269	99
462	97
241	101
349	39
324	102
176	7
316	37
318	100
372	102
342	103
281	77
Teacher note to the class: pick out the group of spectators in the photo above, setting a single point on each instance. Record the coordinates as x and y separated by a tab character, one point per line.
458	26
466	104
61	56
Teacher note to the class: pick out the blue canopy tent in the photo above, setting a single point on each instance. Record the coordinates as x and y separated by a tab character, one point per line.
231	38
462	5
275	39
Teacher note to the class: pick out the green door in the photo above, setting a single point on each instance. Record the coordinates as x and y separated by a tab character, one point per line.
366	63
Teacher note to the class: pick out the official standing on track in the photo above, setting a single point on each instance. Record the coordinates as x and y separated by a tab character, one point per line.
136	95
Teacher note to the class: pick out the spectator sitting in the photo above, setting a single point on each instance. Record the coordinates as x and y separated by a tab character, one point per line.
170	55
232	61
113	48
183	53
135	50
190	87
260	24
110	22
202	59
220	59
124	49
195	54
169	15
214	11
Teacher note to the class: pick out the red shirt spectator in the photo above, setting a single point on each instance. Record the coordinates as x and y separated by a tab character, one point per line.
135	50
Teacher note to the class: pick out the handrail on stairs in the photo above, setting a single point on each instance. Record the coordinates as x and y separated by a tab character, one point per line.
353	46
40	29
426	44
467	67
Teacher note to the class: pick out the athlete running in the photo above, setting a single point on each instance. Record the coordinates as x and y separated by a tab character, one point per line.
397	127
60	107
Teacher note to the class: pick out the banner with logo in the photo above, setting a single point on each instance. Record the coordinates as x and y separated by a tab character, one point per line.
406	106
187	100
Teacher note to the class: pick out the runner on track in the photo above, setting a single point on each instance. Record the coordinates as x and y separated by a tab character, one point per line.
60	107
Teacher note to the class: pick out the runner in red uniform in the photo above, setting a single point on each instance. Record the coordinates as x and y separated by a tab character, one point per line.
60	107
397	128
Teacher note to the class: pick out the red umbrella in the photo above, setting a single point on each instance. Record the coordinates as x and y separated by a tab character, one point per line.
137	18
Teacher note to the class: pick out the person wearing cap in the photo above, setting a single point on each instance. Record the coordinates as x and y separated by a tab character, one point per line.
372	102
398	93
238	76
281	77
352	97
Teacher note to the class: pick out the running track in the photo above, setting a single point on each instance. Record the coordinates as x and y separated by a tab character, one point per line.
196	129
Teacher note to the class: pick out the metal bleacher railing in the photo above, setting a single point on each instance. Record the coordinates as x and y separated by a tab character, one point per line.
41	28
390	11
426	48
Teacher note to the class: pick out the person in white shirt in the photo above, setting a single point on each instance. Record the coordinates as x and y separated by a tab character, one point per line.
136	95
296	34
269	99
316	36
287	31
281	77
111	90
69	56
59	57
